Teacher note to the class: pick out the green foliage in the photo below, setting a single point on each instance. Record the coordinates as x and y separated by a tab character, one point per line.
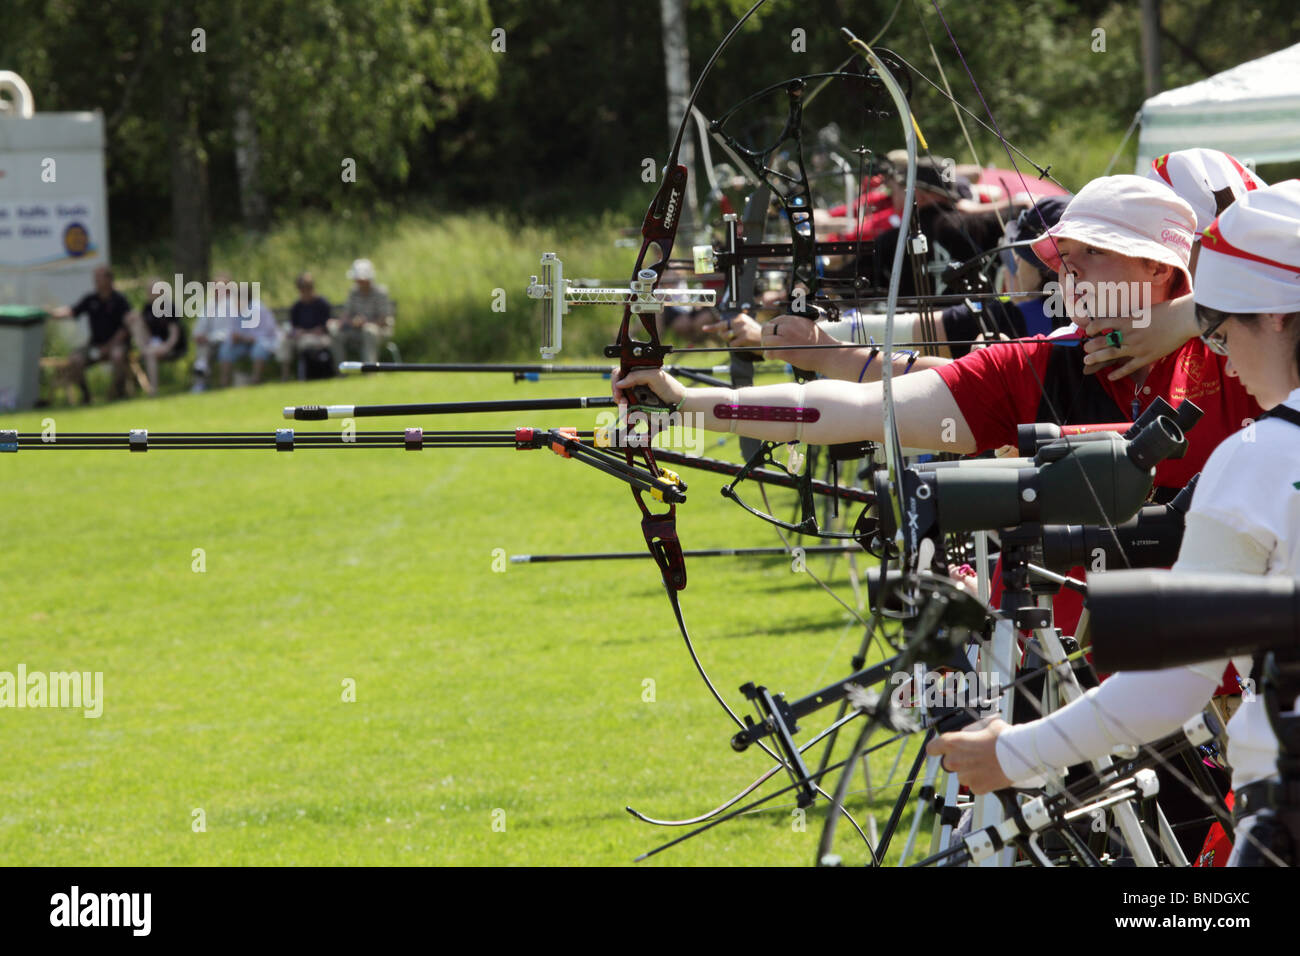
324	82
564	116
362	81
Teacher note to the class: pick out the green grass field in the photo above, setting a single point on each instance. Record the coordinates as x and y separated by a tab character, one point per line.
476	691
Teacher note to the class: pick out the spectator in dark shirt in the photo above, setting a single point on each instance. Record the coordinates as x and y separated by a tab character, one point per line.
308	325
161	338
106	310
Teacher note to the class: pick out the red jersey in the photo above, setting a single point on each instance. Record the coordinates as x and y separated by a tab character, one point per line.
1002	386
873	213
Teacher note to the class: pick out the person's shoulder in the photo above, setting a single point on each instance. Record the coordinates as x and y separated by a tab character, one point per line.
1255	456
1282	436
1249	480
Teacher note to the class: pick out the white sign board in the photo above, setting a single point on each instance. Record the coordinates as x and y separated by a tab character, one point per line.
44	233
53	210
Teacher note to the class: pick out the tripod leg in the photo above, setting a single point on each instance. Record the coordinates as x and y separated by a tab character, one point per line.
927	788
900	804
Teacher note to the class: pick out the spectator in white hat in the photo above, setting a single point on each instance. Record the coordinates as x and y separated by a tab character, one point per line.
367	316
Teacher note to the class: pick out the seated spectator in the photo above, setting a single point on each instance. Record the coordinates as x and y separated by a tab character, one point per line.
308	326
161	338
106	310
367	316
252	335
210	332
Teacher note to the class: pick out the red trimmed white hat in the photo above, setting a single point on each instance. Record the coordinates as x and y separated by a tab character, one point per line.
1250	255
1209	179
1131	216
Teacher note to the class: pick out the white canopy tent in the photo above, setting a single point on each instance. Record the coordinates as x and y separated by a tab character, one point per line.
1251	111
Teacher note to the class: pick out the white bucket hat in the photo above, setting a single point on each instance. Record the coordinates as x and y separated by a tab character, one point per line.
1129	215
362	269
1250	255
1209	179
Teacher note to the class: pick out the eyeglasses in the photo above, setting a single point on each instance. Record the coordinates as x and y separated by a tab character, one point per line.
1209	321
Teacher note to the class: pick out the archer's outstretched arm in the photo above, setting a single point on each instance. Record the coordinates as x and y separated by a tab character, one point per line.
925	411
860	364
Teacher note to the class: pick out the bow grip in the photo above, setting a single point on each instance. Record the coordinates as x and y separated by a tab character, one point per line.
661	537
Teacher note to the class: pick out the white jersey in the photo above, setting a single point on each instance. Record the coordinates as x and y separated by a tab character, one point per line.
1251	483
1245	517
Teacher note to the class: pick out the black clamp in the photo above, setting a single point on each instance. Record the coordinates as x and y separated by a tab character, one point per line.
948	814
780	721
1031	618
284	439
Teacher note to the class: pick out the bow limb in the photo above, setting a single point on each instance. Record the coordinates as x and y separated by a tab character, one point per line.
659	231
893	448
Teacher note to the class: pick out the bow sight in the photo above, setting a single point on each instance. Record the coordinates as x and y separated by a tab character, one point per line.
559	293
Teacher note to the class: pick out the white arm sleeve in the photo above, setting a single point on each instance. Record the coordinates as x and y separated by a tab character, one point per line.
864	328
1129	708
1138	706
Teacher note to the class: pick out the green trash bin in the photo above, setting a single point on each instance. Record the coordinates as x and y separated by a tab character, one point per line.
22	334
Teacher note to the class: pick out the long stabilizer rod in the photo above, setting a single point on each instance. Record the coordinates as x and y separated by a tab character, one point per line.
698	553
534	372
565	442
320	413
